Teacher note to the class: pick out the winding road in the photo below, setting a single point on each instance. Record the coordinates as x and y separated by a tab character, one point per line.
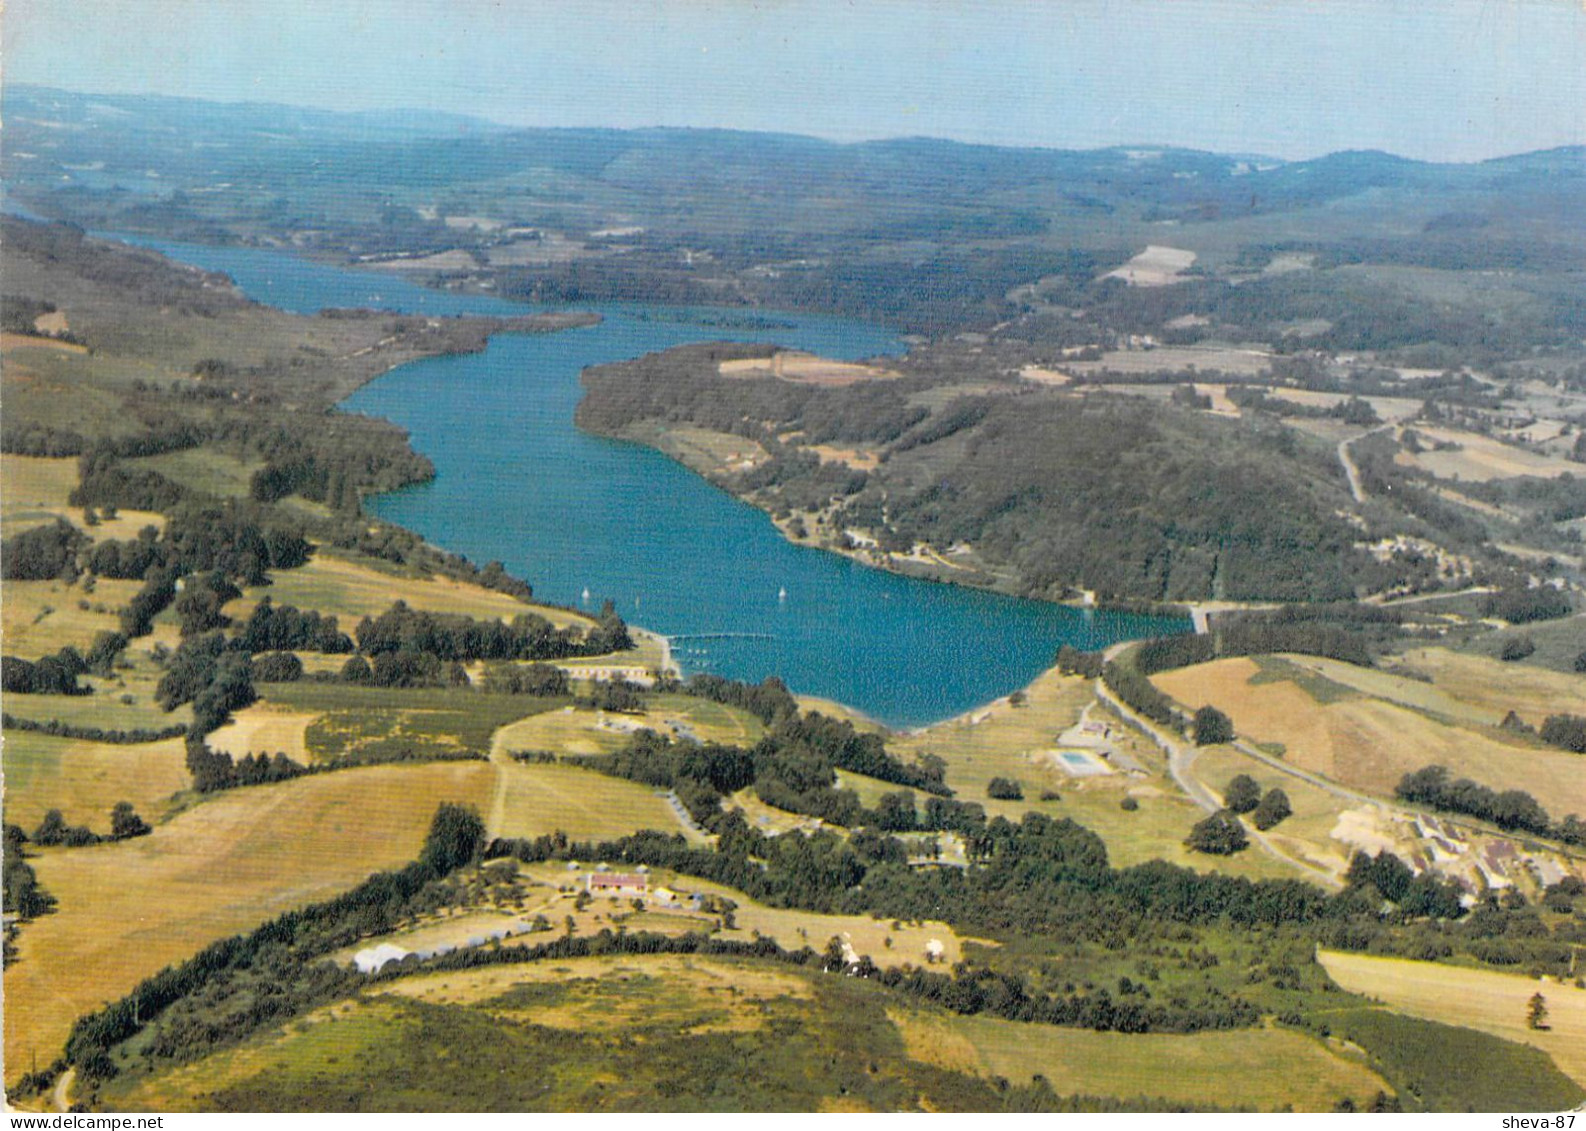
1351	468
1180	760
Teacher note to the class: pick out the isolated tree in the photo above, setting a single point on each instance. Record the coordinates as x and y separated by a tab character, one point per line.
456	836
1221	834
1004	789
1212	727
1274	807
1517	648
1242	794
125	822
1536	1012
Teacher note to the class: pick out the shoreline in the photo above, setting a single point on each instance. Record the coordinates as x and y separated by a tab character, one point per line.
1083	599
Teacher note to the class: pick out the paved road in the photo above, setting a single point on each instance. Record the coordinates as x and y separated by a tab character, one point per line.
1180	762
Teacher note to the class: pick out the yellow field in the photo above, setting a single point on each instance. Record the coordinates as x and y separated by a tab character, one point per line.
735	989
1265	1068
1006	741
575	731
38	618
34	490
350	590
532	800
1307	834
1480	458
1476	999
790	928
31	481
708	451
1496	688
805	369
84	780
793	929
1368	744
128	909
265	729
767	818
648	652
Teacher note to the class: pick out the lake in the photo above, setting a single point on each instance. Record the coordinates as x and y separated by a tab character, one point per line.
570	512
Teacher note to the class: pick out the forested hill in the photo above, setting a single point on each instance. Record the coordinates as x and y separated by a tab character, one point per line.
1033	490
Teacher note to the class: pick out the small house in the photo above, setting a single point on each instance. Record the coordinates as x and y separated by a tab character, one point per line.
618	883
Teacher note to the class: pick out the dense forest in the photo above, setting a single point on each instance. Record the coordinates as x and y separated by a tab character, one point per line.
1128	499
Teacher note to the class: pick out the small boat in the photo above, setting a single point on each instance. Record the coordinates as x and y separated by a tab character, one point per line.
586	594
781	594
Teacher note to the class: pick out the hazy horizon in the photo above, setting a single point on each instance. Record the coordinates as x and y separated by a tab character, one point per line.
398	111
1460	81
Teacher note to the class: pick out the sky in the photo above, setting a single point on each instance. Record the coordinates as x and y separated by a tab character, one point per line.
1451	80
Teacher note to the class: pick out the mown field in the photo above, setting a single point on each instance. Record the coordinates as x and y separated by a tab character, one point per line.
1011	742
1367	743
1263	1069
334	585
127	909
1463	686
85	780
1485	1000
533	800
572	730
39	618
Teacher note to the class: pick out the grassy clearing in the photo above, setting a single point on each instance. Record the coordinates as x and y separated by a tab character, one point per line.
70	391
389	722
669	1032
265	728
1307	834
1260	1068
29	483
84	780
204	470
791	928
532	800
1007	741
1369	744
1478	999
38	618
128	909
350	589
576	731
1480	458
1558	645
673	988
1491	689
105	707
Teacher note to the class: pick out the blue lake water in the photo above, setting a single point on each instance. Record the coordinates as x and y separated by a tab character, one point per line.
516	481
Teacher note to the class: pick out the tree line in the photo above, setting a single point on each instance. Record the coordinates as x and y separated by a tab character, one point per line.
1510	809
